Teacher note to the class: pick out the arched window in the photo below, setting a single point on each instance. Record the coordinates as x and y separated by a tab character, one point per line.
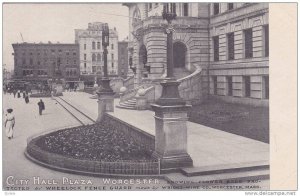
93	57
98	57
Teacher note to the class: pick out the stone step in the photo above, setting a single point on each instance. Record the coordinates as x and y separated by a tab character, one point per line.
131	101
125	107
178	179
226	168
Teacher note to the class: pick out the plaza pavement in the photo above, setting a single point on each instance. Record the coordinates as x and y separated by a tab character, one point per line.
28	124
206	146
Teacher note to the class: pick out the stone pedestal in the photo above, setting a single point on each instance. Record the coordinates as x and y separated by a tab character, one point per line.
171	137
105	103
141	102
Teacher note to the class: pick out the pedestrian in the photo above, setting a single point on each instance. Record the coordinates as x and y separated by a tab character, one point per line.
52	95
14	92
9	123
19	93
24	94
41	106
26	98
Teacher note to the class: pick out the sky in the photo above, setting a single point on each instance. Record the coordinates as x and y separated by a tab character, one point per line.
56	23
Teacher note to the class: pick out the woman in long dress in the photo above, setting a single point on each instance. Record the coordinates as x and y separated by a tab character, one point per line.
9	124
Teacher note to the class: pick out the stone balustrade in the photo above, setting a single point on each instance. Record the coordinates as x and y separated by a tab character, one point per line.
190	87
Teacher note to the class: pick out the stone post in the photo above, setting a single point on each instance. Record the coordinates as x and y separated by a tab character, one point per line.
171	137
105	104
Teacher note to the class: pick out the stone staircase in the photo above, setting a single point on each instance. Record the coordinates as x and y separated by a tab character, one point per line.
189	89
128	104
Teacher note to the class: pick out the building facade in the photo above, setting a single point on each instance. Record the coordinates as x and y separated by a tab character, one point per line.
40	62
123	59
228	41
239	52
91	50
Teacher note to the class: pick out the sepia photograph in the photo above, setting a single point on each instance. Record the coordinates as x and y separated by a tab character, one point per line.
136	96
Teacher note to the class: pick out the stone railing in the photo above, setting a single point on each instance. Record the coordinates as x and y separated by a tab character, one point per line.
150	94
129	93
132	92
190	86
129	82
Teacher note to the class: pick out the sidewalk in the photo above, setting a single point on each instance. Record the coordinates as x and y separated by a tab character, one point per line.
207	146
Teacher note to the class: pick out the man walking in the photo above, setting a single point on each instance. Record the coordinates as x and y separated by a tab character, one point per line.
41	106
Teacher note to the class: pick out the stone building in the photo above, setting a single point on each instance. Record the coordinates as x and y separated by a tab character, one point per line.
91	50
220	49
40	61
239	52
123	58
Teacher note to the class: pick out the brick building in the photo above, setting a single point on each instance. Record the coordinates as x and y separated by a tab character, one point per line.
40	62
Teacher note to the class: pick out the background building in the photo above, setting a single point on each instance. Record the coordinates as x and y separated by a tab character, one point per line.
91	50
40	62
228	41
123	58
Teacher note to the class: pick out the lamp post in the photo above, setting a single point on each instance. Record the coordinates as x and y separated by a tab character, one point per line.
170	94
171	112
105	93
105	87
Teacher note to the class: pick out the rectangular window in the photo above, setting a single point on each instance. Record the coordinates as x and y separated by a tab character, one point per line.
247	88
229	85
112	46
93	45
112	64
216	48
98	45
266	40
266	87
230	6
84	65
216	9
230	46
248	43
215	84
150	6
185	9
84	46
84	56
94	69
112	57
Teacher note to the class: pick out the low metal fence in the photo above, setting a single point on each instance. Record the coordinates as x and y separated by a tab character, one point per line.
123	167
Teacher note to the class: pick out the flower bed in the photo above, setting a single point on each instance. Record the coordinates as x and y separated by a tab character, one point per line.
98	149
94	142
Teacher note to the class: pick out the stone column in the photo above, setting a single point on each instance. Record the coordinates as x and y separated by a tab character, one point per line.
105	104
171	137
